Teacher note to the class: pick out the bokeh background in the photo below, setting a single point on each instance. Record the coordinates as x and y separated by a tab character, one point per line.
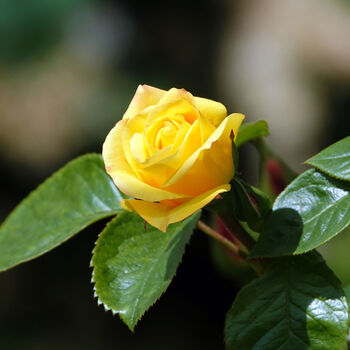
68	70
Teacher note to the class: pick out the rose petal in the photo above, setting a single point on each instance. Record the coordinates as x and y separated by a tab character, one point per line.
138	148
161	215
145	96
213	167
176	94
162	165
212	110
155	125
174	102
207	128
122	173
187	140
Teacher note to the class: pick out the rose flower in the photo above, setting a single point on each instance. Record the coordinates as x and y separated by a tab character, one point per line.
172	152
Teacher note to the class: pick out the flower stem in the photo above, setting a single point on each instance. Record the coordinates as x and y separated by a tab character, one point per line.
237	231
216	235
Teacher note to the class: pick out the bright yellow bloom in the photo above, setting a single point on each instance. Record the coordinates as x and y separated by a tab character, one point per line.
172	153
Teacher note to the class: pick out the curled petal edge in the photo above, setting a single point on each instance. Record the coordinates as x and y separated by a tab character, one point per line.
161	215
232	122
146	95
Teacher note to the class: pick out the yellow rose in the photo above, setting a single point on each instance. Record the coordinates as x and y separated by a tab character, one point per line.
172	153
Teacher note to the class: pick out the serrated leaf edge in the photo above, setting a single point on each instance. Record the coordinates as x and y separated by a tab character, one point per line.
116	312
321	170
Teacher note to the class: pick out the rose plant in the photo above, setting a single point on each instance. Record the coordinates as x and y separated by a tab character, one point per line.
169	158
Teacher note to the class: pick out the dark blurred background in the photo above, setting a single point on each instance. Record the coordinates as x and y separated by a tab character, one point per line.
68	70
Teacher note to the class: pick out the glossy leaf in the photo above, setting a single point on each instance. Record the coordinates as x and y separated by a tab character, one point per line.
71	199
251	131
313	209
334	160
297	305
133	266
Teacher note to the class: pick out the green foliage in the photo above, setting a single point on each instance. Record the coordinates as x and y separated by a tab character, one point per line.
134	266
71	199
249	203
312	209
251	131
297	305
334	160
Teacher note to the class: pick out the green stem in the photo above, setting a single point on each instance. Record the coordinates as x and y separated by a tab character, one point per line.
237	230
214	234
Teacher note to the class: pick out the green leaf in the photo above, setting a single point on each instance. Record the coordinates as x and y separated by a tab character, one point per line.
134	266
334	160
310	211
297	305
71	199
250	231
249	203
251	131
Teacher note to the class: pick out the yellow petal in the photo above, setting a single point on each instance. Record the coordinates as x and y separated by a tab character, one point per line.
207	128
145	96
214	167
174	102
188	138
126	135
138	148
161	215
163	164
176	94
137	122
237	119
160	166
154	127
212	110
123	175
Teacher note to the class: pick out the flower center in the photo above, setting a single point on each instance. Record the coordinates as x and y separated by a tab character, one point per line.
163	131
166	134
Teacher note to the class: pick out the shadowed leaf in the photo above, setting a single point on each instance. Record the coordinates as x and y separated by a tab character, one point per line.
310	211
297	305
